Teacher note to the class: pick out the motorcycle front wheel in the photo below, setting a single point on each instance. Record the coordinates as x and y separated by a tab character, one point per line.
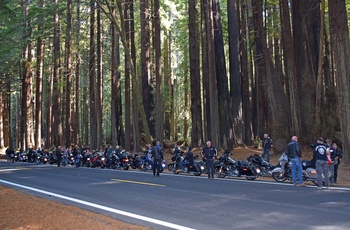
279	177
219	173
170	167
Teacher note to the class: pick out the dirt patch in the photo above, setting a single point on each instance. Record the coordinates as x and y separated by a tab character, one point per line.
22	211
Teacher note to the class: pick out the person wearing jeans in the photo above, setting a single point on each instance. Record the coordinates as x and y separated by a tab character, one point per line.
294	154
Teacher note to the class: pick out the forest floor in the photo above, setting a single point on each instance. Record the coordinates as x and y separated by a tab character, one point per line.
22	211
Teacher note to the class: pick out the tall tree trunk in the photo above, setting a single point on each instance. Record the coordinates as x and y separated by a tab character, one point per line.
246	95
127	26
319	81
2	143
7	112
99	80
115	83
235	75
56	107
277	101
68	73
39	84
212	104
304	76
145	59
158	72
49	116
92	76
196	110
225	107
341	54
289	65
76	123
170	124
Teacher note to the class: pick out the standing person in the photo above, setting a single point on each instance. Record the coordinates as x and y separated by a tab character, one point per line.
294	154
158	156
266	147
9	154
335	156
58	155
320	155
208	153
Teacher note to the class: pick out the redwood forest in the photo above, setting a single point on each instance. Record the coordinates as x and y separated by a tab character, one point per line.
123	72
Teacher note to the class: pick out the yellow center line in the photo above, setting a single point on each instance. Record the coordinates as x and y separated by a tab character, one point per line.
138	182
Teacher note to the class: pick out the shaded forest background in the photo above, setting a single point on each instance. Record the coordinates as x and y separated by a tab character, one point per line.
129	72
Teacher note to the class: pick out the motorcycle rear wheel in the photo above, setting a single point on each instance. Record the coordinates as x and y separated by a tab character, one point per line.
278	177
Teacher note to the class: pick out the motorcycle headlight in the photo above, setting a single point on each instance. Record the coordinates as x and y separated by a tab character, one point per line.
202	167
163	165
88	158
103	158
258	170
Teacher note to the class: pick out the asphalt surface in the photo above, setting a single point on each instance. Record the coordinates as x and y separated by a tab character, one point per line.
182	201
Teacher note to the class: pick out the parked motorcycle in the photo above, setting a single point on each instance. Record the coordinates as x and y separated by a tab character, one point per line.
44	158
22	157
121	160
195	168
98	161
135	161
228	167
259	161
284	171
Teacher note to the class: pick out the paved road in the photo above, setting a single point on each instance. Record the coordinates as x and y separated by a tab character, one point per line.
184	202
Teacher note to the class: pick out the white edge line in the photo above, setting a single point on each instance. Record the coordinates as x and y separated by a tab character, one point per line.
113	210
8	170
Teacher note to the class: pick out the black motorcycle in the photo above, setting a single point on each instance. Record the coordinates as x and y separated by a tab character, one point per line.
194	168
260	163
228	167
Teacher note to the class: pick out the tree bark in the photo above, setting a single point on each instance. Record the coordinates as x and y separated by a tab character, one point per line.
56	94
196	110
211	104
158	73
271	84
99	79
39	84
341	54
145	59
237	127
76	124
92	76
289	66
68	74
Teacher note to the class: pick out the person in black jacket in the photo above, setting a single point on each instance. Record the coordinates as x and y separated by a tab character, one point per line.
335	157
208	154
188	158
294	154
158	156
322	168
266	147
